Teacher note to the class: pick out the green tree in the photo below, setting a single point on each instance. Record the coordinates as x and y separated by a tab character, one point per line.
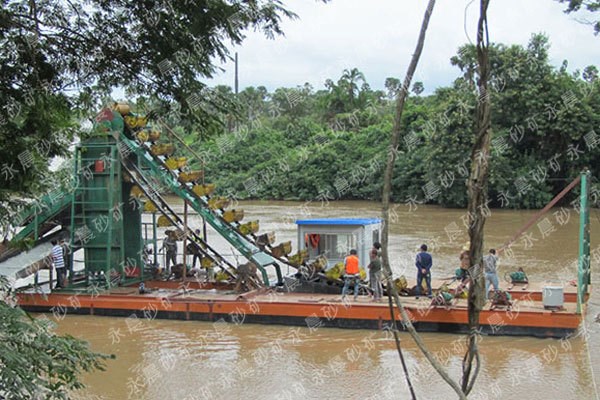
392	86
588	5
418	88
544	123
36	363
253	101
61	60
350	83
590	73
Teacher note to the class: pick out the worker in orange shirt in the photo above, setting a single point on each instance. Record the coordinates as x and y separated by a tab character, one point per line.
352	274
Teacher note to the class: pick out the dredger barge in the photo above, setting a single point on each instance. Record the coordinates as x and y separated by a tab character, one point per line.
122	170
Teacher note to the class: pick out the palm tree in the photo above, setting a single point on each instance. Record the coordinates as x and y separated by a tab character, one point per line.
349	81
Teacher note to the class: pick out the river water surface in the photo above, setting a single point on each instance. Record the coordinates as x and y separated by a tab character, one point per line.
160	360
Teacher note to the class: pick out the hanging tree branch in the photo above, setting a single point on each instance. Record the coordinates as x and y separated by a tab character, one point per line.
387	184
477	208
398	346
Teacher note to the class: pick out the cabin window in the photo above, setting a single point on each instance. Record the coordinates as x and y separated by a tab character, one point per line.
337	246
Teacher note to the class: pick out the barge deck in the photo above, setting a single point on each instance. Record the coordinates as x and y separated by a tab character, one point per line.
193	301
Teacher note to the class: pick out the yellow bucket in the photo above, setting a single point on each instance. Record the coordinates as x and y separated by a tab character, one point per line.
165	149
233	215
149	206
191	176
136	191
163	221
122	108
249	227
175	162
204	190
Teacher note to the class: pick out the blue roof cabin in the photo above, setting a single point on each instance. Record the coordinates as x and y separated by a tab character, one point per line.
334	237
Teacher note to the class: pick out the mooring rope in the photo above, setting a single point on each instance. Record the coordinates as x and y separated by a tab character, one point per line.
539	214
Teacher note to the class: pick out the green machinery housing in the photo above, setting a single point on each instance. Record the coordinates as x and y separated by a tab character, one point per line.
105	222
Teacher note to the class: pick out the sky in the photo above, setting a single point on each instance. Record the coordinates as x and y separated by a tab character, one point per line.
379	36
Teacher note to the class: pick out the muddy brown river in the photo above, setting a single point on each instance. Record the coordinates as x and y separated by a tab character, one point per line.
160	360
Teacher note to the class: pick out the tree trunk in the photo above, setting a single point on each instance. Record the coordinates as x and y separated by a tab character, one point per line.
391	289
477	208
387	184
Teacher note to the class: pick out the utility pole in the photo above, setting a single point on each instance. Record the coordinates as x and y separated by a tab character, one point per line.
236	73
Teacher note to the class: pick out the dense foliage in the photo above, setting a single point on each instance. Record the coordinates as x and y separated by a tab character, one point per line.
60	59
584	5
34	362
298	143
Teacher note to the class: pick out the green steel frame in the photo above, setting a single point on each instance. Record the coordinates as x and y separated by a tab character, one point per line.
50	207
115	243
583	265
239	242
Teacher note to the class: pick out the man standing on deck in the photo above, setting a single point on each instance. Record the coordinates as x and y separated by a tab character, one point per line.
352	274
375	271
424	263
59	264
194	248
491	274
170	245
66	258
465	263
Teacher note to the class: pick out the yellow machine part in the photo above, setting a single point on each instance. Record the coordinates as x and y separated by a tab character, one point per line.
363	274
265	239
204	190
282	249
216	203
191	176
153	135
300	257
130	120
443	288
148	135
249	227
335	272
134	121
163	149
338	270
401	283
207	263
233	215
176	162
163	221
122	108
136	191
319	264
142	136
149	206
221	277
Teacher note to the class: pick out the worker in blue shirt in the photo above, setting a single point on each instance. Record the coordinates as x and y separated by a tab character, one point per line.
424	263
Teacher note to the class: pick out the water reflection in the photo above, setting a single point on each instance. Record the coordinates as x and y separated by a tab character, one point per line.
193	360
